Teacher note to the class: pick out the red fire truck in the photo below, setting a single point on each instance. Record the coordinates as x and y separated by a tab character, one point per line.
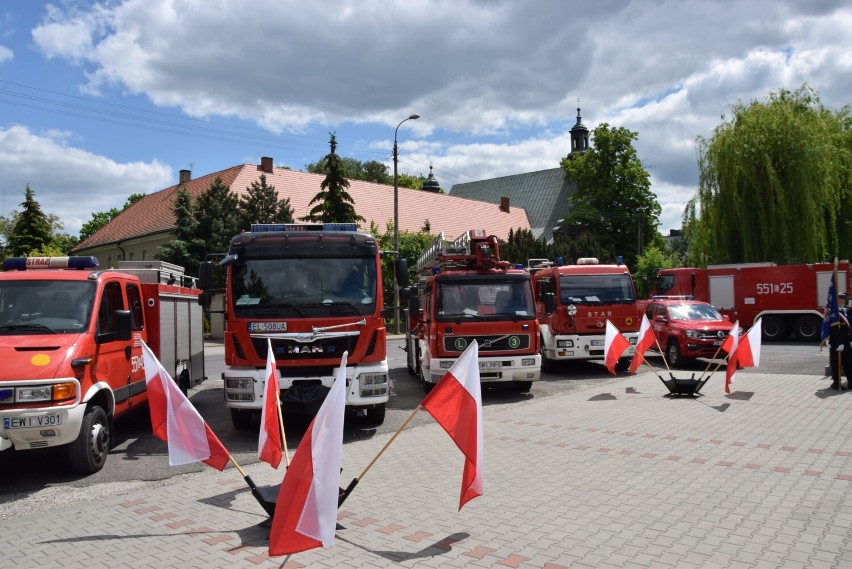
788	298
464	292
70	341
315	291
573	303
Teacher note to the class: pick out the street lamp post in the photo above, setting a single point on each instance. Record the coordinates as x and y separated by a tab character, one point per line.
396	216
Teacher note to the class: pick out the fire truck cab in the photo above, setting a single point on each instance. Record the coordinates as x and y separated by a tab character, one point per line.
464	292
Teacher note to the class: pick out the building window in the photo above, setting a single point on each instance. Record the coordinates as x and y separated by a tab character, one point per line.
131	256
144	254
109	262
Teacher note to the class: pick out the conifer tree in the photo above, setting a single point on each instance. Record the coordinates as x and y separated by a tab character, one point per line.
32	231
333	202
261	205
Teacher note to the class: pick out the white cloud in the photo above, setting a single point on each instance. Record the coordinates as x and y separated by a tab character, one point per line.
71	183
6	54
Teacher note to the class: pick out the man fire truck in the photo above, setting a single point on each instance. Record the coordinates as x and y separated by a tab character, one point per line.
788	298
464	293
315	290
573	303
70	342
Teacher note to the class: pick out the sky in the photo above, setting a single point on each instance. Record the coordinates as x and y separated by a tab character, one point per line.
101	100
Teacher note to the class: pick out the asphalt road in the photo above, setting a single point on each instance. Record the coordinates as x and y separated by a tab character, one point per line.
36	479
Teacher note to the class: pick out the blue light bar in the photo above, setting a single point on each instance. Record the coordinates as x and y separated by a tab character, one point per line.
264	227
33	263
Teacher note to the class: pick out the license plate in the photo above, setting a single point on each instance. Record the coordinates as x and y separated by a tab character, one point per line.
267	326
597	342
717	342
31	421
490	365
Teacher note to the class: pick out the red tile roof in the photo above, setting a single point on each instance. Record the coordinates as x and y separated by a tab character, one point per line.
374	202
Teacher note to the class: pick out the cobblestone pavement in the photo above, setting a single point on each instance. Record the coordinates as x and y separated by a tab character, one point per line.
620	475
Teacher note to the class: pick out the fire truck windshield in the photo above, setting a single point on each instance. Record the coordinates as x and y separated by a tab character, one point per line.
45	306
303	288
596	289
489	299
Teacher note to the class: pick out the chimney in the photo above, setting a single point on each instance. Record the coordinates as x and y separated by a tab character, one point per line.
266	164
184	176
504	204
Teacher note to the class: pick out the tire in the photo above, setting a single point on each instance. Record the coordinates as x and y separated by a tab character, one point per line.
673	354
427	387
623	364
243	420
376	415
773	328
807	328
183	382
88	453
523	386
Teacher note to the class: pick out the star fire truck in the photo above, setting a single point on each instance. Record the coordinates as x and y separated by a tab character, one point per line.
465	292
315	291
573	303
71	345
788	298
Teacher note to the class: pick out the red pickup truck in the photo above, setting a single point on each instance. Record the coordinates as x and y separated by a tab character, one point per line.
686	329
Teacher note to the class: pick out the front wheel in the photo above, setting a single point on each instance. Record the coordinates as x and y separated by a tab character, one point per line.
522	386
547	365
376	415
673	354
88	453
243	420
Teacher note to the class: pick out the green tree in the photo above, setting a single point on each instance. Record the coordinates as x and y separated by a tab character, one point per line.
333	202
776	165
218	215
101	218
32	231
521	246
410	181
647	265
411	246
186	249
261	205
613	200
370	171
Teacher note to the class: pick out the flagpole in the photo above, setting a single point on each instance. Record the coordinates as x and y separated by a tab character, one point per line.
269	507
355	481
657	341
718	349
281	426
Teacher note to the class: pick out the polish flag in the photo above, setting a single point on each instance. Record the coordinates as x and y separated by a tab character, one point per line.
176	422
269	443
456	404
614	346
746	353
730	345
306	511
646	340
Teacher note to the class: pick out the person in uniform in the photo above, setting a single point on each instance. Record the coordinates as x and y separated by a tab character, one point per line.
841	349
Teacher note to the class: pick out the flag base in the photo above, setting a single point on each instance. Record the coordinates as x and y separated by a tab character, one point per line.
679	386
267	496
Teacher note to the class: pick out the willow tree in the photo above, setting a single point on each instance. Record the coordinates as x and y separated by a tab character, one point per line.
774	184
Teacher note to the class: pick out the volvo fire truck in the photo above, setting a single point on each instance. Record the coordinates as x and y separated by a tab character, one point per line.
573	303
788	298
70	342
315	291
465	292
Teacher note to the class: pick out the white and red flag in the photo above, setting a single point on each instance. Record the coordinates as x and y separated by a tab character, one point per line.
614	345
745	353
176	422
306	511
269	443
730	345
456	404
646	340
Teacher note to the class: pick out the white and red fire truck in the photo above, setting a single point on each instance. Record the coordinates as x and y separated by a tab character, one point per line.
788	298
315	291
70	342
573	303
464	292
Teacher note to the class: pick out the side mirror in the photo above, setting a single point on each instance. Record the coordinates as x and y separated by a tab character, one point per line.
549	302
413	304
401	268
404	295
659	318
123	322
205	269
205	299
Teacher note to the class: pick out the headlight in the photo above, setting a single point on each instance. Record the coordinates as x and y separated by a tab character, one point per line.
373	384
693	334
36	393
565	343
527	361
239	389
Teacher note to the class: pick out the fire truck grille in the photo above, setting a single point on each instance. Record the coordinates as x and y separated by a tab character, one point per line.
504	343
711	335
291	350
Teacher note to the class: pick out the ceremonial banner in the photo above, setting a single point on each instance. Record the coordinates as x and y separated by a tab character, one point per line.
614	345
269	443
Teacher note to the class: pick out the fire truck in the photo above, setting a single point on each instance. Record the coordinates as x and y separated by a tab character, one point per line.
788	298
315	291
573	303
71	343
465	292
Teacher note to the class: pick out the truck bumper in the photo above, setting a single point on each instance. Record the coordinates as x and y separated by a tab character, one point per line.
493	369
583	347
367	386
47	427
